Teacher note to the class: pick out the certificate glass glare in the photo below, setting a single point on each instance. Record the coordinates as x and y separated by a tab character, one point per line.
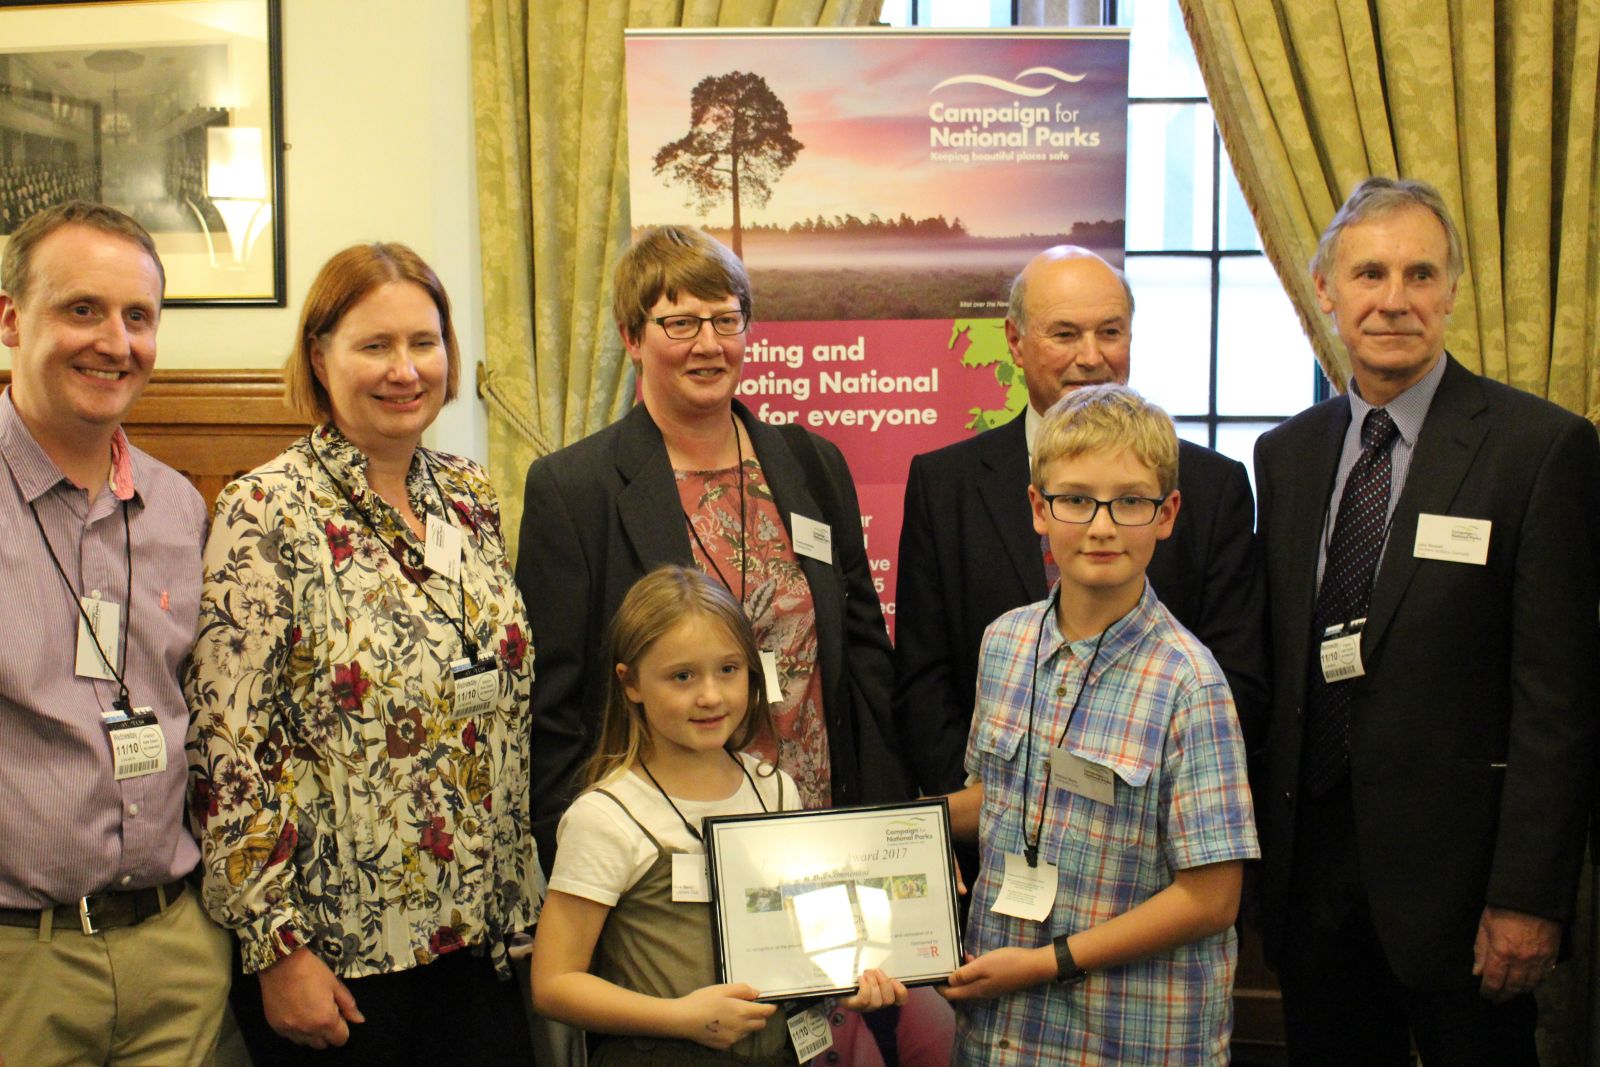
803	902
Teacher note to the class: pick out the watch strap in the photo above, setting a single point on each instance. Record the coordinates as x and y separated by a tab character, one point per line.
1067	970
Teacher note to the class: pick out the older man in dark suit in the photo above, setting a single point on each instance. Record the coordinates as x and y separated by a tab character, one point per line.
968	550
1430	544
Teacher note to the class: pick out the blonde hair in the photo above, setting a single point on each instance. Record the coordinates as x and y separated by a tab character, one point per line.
666	261
342	283
1107	418
656	603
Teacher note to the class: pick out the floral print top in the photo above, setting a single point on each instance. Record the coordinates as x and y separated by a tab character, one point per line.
777	600
340	803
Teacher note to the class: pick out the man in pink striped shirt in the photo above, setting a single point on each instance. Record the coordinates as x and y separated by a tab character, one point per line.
106	956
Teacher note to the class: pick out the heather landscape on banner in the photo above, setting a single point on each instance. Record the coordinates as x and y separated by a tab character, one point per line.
882	190
881	177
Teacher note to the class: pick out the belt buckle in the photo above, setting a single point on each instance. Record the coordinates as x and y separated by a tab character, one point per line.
85	920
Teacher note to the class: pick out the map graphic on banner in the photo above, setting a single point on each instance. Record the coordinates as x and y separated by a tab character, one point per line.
882	188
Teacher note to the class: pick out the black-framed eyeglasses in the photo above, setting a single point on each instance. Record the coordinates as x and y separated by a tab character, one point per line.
1124	510
687	327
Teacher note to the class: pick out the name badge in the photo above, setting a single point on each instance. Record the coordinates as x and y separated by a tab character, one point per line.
1452	540
1026	892
690	882
810	1034
477	687
97	648
769	674
1084	778
442	550
812	538
1341	652
138	746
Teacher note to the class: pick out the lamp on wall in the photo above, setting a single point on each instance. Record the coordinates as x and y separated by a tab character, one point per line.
236	182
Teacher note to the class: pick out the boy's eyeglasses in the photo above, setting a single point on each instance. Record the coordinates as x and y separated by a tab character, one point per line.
687	327
1124	510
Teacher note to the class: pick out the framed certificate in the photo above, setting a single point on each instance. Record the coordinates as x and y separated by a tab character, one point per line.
803	902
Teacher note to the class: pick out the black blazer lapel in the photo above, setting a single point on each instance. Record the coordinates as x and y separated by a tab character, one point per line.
1004	490
1451	436
648	508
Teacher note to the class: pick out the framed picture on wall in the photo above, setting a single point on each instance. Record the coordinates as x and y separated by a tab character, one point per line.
170	111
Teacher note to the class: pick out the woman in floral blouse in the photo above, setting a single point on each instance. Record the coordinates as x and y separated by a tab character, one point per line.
360	693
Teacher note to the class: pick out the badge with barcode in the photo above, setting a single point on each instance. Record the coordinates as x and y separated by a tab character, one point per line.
138	746
477	687
810	1034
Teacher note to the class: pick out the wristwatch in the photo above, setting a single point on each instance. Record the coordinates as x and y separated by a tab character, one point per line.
1067	970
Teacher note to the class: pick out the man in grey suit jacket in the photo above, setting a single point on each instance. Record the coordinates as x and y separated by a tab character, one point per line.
1426	783
968	550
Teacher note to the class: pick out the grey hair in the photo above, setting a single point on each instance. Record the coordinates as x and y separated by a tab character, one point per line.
1016	312
1378	196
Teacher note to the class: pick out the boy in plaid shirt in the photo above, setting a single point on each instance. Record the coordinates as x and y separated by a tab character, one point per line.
1107	778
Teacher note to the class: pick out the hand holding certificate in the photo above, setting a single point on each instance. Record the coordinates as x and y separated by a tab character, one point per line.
804	902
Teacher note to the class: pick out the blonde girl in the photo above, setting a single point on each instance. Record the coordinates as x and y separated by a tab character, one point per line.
615	953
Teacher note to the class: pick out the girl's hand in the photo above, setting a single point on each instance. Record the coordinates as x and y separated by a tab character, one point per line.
719	1015
877	990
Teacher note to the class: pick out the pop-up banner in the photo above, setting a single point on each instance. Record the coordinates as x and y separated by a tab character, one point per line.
882	188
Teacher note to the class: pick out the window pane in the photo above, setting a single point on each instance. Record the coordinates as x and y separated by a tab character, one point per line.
1238	441
896	13
1237	228
1161	58
1264	361
1169	177
1172	332
1198	432
964	12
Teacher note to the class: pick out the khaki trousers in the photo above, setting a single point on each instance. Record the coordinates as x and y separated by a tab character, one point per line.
138	995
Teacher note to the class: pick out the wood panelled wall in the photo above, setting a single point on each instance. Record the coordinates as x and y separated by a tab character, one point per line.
211	425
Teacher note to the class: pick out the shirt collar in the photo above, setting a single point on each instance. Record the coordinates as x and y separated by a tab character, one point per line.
1409	409
1118	637
36	473
1030	427
348	464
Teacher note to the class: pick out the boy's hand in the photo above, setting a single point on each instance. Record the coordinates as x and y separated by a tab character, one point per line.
877	990
716	1016
1002	971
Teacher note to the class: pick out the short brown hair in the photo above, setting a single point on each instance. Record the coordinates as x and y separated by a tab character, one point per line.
1107	418
14	274
1378	196
342	283
666	261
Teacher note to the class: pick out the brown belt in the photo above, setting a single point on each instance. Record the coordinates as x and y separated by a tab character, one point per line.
101	911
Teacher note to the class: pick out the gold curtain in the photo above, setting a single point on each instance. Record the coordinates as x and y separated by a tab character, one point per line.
1491	101
548	97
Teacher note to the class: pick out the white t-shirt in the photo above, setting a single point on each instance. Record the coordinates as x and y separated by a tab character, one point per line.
600	853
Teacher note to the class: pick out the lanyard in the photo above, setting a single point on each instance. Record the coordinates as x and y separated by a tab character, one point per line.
743	558
122	702
737	761
1031	848
413	560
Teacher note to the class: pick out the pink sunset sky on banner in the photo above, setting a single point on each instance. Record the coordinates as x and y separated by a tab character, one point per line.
860	105
877	314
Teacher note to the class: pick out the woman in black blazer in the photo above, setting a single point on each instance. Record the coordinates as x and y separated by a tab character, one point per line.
689	476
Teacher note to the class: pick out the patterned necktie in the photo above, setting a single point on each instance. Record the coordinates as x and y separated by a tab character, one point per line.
1346	588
